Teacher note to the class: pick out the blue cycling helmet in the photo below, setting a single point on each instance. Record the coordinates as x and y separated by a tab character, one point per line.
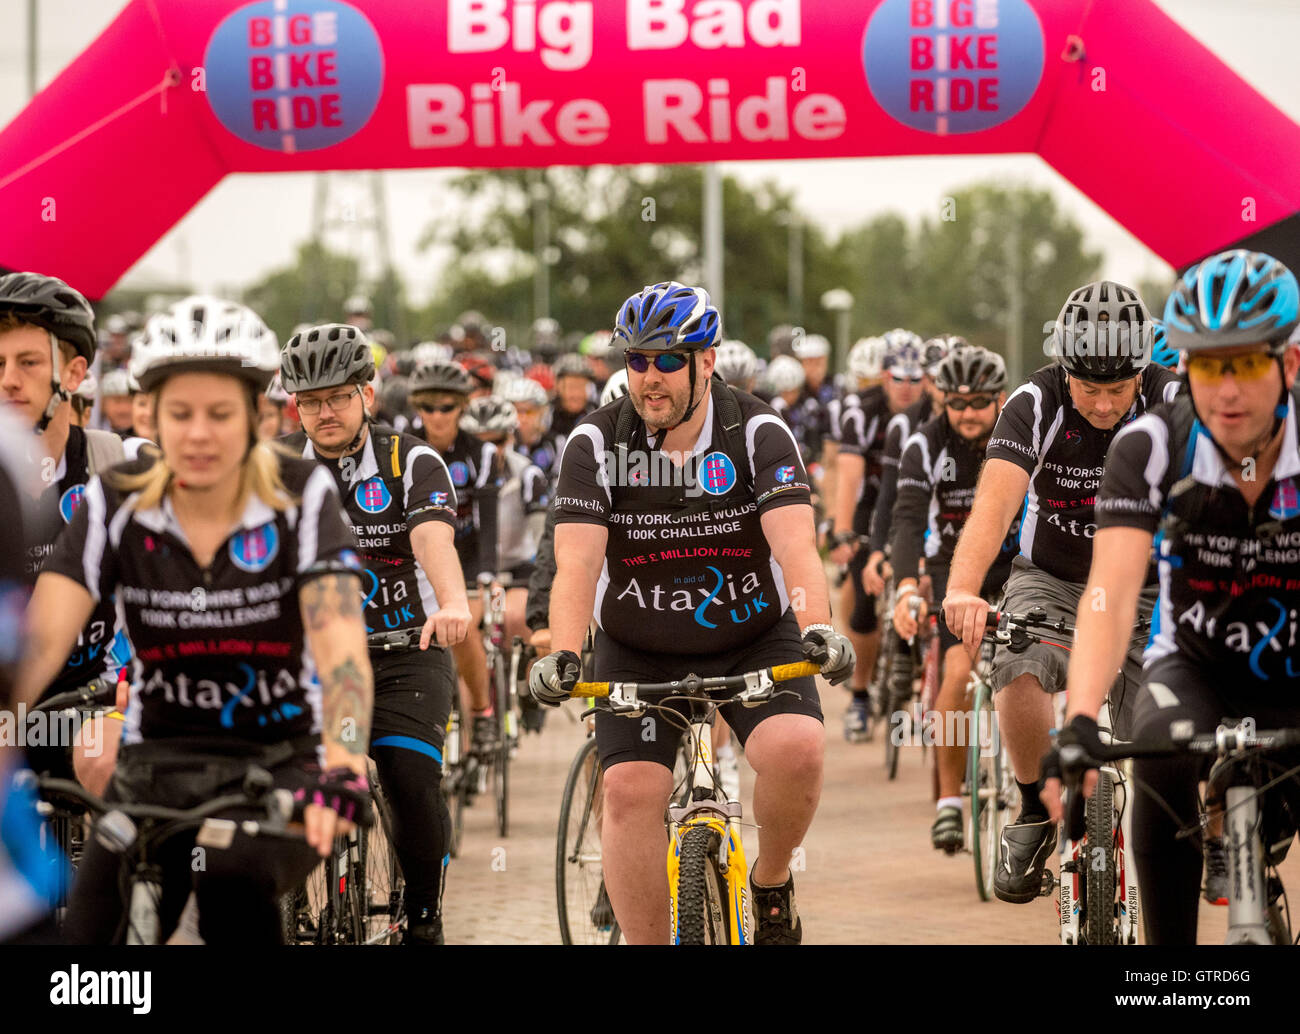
668	317
904	353
1236	297
1161	353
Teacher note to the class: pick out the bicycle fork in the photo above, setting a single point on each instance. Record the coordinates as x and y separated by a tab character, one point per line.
705	809
1248	902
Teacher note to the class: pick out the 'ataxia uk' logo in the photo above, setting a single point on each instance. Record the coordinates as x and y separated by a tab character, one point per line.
373	495
717	473
69	502
294	75
253	551
953	66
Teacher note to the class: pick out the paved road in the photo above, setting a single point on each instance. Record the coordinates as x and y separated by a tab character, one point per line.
869	874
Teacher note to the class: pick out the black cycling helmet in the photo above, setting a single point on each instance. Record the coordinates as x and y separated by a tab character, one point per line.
938	348
441	375
327	356
47	302
1102	333
970	369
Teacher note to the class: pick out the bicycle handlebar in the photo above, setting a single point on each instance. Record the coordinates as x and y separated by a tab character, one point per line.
753	686
102	692
1223	741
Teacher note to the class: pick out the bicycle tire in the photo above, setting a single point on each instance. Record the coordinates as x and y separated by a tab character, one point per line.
579	872
1099	886
702	910
501	762
898	714
984	779
385	906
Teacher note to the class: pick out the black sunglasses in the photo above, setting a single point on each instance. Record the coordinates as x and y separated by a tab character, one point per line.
974	402
665	362
442	407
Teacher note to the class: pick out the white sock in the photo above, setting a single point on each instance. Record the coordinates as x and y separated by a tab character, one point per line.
949	802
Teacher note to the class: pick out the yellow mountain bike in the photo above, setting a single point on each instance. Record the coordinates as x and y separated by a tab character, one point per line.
707	875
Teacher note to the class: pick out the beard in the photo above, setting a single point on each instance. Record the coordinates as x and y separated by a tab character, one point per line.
661	417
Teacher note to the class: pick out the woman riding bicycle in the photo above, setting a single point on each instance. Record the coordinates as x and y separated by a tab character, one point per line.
229	562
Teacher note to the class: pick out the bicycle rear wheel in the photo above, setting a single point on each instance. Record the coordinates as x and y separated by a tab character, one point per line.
584	910
1100	916
702	913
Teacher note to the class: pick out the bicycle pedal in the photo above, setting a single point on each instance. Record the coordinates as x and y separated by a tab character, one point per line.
1048	886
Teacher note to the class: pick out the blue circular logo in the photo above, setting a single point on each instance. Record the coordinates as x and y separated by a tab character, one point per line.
253	551
459	473
373	495
294	75
952	66
717	473
69	502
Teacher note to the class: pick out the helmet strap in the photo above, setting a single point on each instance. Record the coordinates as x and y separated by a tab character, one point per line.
58	394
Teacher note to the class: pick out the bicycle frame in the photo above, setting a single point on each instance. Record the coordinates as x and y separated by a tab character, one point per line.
718	815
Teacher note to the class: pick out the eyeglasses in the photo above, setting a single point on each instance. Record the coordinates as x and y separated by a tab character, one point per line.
441	407
665	362
337	403
906	380
960	404
1252	366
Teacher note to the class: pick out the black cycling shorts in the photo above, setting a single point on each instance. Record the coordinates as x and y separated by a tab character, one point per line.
652	737
862	619
413	694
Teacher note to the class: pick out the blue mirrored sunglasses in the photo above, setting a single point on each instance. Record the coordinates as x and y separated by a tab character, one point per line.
665	362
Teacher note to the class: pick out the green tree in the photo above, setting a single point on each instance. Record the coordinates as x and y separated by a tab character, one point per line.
994	252
313	290
613	230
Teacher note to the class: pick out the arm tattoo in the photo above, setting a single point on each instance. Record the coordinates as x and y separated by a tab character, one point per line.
346	694
331	596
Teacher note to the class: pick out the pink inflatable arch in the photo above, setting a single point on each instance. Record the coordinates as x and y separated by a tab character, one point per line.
175	94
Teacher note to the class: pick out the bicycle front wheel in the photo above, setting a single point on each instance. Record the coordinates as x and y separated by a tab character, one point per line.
501	762
586	916
384	891
984	778
1099	903
702	913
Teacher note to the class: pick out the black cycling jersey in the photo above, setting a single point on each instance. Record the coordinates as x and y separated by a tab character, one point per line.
543	454
936	487
563	422
55	508
687	562
901	427
17	479
471	464
1040	431
218	650
863	420
396	589
1229	572
807	418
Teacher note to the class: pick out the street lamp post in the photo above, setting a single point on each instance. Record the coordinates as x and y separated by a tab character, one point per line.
840	302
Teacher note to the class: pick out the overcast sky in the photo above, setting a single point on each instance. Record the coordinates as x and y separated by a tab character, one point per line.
250	224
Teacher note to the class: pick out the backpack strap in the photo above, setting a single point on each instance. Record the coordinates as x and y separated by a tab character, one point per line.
387	444
726	412
104	449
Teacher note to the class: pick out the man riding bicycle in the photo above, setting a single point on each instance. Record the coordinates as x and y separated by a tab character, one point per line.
1045	458
398	498
684	526
1212	481
936	483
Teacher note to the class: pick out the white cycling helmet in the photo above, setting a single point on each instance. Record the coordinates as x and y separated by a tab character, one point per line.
615	387
206	334
114	383
88	389
866	359
810	346
431	352
785	373
523	391
735	363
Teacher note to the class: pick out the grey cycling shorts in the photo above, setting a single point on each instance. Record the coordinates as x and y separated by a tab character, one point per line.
1027	587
